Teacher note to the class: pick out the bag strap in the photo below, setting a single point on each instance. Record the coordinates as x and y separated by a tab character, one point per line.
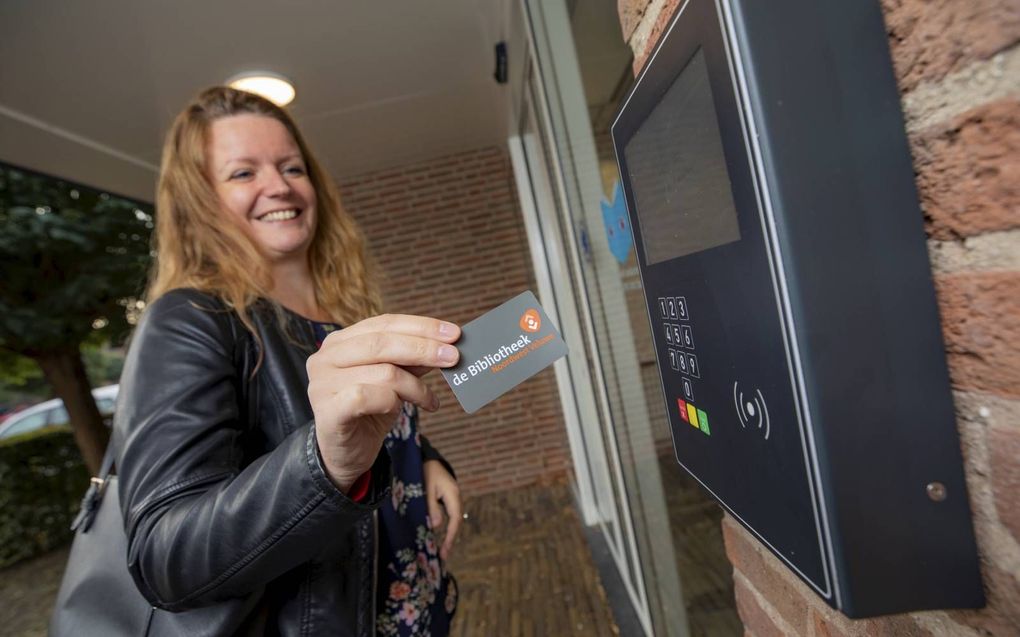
107	466
94	495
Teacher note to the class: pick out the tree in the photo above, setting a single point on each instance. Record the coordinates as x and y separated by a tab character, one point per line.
74	265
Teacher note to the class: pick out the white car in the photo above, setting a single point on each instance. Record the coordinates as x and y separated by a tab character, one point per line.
53	412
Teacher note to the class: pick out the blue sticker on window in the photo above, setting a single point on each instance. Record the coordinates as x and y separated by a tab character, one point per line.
614	216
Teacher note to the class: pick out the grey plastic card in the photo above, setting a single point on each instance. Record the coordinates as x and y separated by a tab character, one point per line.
501	349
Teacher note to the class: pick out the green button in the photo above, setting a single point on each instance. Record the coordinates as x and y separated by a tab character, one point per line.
703	421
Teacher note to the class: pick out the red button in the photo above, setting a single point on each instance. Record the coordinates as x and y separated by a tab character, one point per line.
683	410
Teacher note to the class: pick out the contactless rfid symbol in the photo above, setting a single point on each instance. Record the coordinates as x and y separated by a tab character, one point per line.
531	321
752	410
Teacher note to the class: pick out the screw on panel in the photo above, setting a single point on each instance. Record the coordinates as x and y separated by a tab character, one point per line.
936	491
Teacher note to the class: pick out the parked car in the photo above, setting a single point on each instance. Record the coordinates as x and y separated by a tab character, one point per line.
52	412
6	411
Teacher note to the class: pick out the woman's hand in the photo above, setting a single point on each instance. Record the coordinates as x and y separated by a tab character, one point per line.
360	378
440	486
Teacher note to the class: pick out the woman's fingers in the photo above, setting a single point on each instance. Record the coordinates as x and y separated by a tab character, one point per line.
442	487
435	510
408	386
363	400
451	501
381	347
366	399
407	324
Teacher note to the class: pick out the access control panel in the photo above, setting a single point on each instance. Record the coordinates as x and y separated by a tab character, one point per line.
783	259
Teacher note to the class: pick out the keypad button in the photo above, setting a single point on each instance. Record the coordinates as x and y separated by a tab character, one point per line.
688	389
671	306
681	308
703	422
663	310
687	336
676	335
692	364
692	416
683	410
669	335
674	359
682	361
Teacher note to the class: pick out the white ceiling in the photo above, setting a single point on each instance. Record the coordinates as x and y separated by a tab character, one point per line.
88	88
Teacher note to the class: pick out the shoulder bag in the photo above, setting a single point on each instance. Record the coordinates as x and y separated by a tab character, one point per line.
97	594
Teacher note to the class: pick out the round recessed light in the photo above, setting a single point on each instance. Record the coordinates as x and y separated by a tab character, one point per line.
274	88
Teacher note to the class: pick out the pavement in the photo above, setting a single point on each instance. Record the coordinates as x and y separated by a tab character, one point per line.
524	568
522	563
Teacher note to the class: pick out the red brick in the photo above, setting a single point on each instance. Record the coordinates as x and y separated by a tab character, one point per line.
981	325
755	619
660	24
1004	467
827	625
631	12
930	38
418	221
766	574
968	172
1002	614
892	626
830	623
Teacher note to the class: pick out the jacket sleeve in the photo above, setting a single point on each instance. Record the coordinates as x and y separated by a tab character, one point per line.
202	525
428	452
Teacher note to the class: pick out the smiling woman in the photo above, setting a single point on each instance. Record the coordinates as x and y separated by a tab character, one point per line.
266	408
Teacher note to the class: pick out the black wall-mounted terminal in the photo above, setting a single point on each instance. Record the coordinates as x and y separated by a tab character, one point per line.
501	72
782	252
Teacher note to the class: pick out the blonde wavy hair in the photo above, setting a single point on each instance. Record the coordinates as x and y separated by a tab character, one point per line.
197	245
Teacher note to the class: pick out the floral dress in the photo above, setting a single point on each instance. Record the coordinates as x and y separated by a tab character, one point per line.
415	595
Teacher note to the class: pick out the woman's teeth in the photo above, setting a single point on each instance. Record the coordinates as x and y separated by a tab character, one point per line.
279	215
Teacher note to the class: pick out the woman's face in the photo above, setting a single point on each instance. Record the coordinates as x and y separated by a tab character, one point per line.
261	178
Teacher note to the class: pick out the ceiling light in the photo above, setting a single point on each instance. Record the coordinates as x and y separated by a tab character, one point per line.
274	88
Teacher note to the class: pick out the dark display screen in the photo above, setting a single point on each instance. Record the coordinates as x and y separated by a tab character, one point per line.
678	172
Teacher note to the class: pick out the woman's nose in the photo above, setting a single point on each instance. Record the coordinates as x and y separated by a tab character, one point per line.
276	185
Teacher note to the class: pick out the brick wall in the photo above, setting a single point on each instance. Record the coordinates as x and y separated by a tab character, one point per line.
449	239
958	66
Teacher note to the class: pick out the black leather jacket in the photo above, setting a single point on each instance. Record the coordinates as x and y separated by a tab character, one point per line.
233	526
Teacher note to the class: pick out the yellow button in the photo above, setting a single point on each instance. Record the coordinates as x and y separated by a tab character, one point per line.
692	415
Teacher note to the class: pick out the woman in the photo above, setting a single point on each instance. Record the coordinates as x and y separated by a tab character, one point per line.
251	463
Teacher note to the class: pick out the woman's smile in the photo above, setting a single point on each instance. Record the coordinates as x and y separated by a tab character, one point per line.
278	216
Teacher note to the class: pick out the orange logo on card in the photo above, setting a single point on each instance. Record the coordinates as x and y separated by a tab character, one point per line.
531	321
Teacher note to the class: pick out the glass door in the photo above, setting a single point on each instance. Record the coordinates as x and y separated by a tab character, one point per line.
544	200
666	536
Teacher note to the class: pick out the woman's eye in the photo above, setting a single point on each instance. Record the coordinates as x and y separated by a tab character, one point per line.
241	174
294	170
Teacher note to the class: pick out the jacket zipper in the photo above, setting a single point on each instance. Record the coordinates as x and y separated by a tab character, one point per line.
375	567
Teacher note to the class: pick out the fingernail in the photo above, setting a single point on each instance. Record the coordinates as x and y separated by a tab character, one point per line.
435	403
447	353
447	329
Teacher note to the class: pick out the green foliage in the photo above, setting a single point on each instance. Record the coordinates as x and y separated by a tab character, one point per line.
74	259
21	381
42	480
102	364
18	370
